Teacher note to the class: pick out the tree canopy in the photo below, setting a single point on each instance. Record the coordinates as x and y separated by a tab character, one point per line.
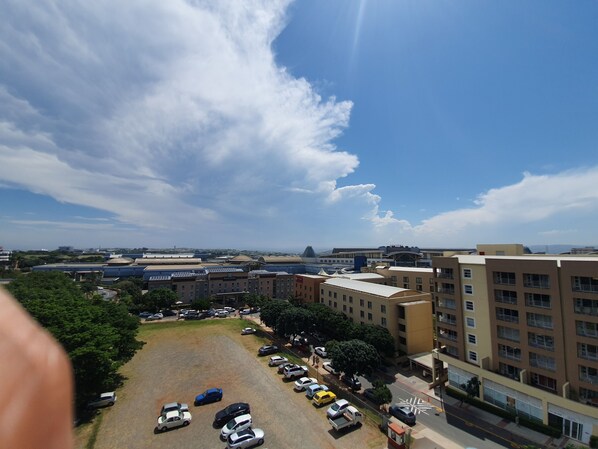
294	320
98	336
156	300
353	357
271	310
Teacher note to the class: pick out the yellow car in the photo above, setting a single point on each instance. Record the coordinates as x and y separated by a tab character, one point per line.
323	397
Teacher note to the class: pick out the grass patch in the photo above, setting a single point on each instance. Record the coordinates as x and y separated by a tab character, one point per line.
91	442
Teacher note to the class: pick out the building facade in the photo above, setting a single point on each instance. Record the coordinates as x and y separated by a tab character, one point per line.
527	327
407	314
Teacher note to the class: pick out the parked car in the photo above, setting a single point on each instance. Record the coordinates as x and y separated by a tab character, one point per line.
237	424
403	413
174	407
291	372
267	350
368	393
221	314
337	408
313	389
245	312
328	367
103	400
352	382
246	438
173	419
230	412
208	396
304	382
168	313
159	315
283	366
144	314
276	360
323	397
349	418
321	351
154	317
247	331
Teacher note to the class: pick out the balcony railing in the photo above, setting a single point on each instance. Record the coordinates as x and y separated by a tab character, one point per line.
447	336
588	288
589	379
506	299
450	321
507	318
447	291
443	275
447	304
509	355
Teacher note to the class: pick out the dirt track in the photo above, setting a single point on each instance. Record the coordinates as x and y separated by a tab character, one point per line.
181	360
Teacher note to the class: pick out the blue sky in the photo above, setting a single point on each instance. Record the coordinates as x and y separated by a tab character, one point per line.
276	124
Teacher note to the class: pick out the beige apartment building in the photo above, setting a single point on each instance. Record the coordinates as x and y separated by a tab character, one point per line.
407	314
527	327
307	287
414	278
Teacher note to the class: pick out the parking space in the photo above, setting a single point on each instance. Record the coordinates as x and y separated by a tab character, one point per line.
181	360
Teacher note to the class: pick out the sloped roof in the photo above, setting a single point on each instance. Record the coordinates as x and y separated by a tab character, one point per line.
385	291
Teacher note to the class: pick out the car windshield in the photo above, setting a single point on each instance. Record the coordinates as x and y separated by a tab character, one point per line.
232	423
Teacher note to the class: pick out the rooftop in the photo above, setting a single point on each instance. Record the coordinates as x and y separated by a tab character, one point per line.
385	291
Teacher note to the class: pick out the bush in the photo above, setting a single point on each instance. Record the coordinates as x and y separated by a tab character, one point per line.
594	441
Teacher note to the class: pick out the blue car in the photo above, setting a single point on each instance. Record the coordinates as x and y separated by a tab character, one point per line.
208	396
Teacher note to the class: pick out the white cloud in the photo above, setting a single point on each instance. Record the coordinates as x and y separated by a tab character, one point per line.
529	203
171	123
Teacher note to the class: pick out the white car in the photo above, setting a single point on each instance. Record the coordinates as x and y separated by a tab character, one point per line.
246	438
328	367
276	360
313	389
337	409
304	382
235	425
169	420
321	351
103	400
174	407
248	330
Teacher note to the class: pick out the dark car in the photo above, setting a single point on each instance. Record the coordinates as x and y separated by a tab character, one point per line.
209	396
168	313
368	393
352	382
267	349
145	314
230	412
403	413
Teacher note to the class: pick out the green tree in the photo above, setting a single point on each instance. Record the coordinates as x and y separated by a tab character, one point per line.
130	288
353	357
472	387
98	336
161	298
201	304
382	393
377	336
271	310
294	320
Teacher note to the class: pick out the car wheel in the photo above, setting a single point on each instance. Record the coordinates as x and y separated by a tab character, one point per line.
260	442
110	403
163	429
219	399
186	423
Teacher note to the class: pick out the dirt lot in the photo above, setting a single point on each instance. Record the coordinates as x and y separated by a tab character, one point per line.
181	360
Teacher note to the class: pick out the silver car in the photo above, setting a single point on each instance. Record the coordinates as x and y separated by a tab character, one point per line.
246	438
105	399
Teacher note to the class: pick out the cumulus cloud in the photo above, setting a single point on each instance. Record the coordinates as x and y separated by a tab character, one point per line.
172	123
530	202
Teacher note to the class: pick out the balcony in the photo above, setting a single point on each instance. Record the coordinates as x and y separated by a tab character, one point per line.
510	355
447	335
445	320
589	379
586	288
507	318
446	290
444	275
447	304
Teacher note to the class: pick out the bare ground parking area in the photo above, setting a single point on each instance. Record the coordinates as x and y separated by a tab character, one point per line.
180	360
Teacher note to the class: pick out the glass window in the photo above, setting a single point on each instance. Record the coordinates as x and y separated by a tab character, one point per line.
383	321
361	302
537	300
468	289
471	338
473	356
469	305
361	313
369	304
369	316
470	322
383	308
467	273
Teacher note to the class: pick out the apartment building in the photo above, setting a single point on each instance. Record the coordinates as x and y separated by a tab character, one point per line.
527	327
407	314
414	278
307	287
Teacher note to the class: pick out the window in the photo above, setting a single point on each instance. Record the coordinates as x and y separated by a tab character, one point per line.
539	320
447	303
468	289
505	296
402	328
501	277
588	374
405	278
402	340
467	273
471	338
507	333
401	312
469	305
334	295
419	288
329	293
544	382
508	315
344	308
540	341
584	284
542	361
335	304
586	306
586	329
369	317
344	297
383	308
329	303
586	351
473	356
470	322
350	309
537	300
350	299
509	370
509	352
369	304
361	302
361	313
418	280
536	280
383	321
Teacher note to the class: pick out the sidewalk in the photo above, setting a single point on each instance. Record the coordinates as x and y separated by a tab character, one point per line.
493	427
